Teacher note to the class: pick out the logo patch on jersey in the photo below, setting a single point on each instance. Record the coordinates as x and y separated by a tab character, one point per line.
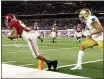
93	19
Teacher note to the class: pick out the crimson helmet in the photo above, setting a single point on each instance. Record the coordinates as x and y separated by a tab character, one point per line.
10	17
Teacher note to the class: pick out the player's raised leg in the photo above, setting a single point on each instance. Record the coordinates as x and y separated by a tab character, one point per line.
32	42
86	44
101	45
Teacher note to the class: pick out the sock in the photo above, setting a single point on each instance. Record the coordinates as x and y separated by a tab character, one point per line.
40	38
80	56
53	40
40	65
79	40
43	59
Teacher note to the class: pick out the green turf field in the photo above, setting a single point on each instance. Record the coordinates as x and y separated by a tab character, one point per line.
65	51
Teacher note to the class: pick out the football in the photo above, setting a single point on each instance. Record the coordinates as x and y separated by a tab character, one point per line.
12	36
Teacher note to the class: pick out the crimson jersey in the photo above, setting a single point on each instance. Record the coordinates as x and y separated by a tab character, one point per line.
54	29
19	25
79	28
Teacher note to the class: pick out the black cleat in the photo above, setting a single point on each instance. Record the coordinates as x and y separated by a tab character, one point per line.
54	64
55	41
49	65
52	41
41	40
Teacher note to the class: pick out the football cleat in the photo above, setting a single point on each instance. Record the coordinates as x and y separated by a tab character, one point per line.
54	64
55	41
49	65
76	68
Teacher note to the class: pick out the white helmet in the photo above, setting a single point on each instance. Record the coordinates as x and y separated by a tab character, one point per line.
84	13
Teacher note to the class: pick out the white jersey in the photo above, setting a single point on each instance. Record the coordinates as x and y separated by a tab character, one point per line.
37	32
96	37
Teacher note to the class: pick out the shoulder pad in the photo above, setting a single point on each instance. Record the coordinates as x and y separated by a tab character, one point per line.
93	19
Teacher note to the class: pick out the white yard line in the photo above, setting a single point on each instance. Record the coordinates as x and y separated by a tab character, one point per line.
19	52
82	63
62	43
18	45
5	62
12	61
75	64
57	49
41	50
9	62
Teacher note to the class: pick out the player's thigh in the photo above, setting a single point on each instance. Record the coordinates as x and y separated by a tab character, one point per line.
88	43
32	43
33	47
101	45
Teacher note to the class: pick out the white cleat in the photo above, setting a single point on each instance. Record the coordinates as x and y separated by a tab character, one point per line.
76	68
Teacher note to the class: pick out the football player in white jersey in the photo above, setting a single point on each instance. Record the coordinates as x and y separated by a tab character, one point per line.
95	35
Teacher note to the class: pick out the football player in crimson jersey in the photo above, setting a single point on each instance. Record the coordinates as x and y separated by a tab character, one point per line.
95	35
78	32
19	30
37	32
54	33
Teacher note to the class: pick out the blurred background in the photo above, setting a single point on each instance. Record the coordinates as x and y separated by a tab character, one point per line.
63	13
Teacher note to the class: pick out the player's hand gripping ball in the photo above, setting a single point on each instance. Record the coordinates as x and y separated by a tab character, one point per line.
13	36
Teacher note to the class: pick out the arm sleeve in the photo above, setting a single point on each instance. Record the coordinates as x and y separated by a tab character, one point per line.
11	24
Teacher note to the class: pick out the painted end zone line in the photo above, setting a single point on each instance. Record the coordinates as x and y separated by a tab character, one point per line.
12	71
82	63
